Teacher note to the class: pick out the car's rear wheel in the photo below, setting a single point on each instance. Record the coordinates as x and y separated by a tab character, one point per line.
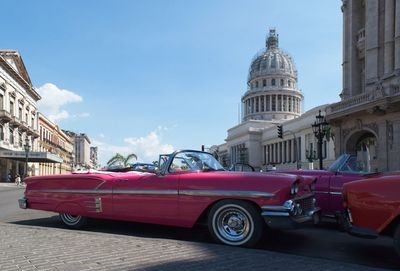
396	239
235	223
73	221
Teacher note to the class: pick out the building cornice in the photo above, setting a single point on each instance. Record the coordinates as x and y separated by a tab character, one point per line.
19	79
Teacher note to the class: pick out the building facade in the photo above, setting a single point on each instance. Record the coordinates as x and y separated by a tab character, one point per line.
18	116
273	98
54	140
82	158
367	119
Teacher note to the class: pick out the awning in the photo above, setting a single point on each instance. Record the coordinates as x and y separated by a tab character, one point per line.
38	157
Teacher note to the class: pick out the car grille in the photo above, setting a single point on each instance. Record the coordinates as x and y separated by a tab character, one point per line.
306	204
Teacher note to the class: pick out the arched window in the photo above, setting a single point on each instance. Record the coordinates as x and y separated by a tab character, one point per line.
273	82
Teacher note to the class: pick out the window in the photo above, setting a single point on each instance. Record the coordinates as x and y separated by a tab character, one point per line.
20	113
273	82
257	104
256	84
281	82
20	139
1	102
279	102
273	103
1	132
12	108
11	136
268	103
264	83
289	83
262	104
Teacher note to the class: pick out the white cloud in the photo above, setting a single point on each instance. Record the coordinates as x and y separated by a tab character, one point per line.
54	98
147	148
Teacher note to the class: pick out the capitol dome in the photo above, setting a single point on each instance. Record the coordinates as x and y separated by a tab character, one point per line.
272	92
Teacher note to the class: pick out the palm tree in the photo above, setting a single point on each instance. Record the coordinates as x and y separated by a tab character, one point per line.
120	159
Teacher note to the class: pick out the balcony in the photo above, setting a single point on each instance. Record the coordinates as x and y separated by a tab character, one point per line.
32	132
14	122
23	126
5	116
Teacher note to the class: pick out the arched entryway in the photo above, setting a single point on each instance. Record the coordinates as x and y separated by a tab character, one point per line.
364	144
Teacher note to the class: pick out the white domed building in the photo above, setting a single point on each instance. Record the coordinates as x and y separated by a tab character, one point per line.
272	92
272	98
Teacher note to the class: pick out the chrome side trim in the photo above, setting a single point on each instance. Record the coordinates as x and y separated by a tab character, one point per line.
146	192
331	193
336	193
77	191
201	193
226	193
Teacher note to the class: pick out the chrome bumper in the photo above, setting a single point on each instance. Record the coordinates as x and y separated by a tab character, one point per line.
292	213
23	203
347	224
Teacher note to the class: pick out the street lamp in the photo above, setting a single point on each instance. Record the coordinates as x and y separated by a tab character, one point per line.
27	149
319	128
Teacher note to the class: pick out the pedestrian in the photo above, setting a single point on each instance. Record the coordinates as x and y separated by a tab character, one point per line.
18	180
9	177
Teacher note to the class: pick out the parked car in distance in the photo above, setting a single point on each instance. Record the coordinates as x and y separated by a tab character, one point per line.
191	187
373	207
328	190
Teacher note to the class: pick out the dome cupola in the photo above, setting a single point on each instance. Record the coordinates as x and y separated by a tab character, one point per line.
272	92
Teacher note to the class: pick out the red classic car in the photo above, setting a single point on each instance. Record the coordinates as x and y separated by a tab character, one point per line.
328	190
190	187
373	207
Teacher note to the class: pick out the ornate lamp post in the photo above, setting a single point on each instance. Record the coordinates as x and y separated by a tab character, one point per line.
320	127
27	149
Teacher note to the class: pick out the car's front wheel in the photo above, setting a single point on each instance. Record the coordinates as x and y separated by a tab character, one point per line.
73	221
235	223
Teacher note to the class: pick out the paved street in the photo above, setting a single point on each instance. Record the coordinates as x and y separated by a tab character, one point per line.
33	240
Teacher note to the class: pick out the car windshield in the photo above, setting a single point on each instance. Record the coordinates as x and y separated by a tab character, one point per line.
186	161
351	164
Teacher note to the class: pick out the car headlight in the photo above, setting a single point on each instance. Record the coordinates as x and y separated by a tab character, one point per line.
294	189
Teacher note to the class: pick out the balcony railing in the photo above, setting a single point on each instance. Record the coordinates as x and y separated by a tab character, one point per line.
4	116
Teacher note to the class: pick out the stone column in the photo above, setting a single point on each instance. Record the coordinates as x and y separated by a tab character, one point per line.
265	103
346	51
389	35
397	37
371	41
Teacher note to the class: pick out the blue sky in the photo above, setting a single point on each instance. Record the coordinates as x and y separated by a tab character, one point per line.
152	76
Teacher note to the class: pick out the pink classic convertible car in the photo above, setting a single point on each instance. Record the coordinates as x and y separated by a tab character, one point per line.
190	187
328	190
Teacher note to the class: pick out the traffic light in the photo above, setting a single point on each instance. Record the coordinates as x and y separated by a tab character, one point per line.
280	131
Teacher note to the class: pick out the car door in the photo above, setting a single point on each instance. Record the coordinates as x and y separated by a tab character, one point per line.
335	190
146	197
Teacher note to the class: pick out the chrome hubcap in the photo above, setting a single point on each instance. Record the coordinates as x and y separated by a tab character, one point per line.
233	224
71	219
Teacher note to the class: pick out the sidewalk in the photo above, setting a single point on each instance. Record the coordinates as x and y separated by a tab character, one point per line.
42	248
11	185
